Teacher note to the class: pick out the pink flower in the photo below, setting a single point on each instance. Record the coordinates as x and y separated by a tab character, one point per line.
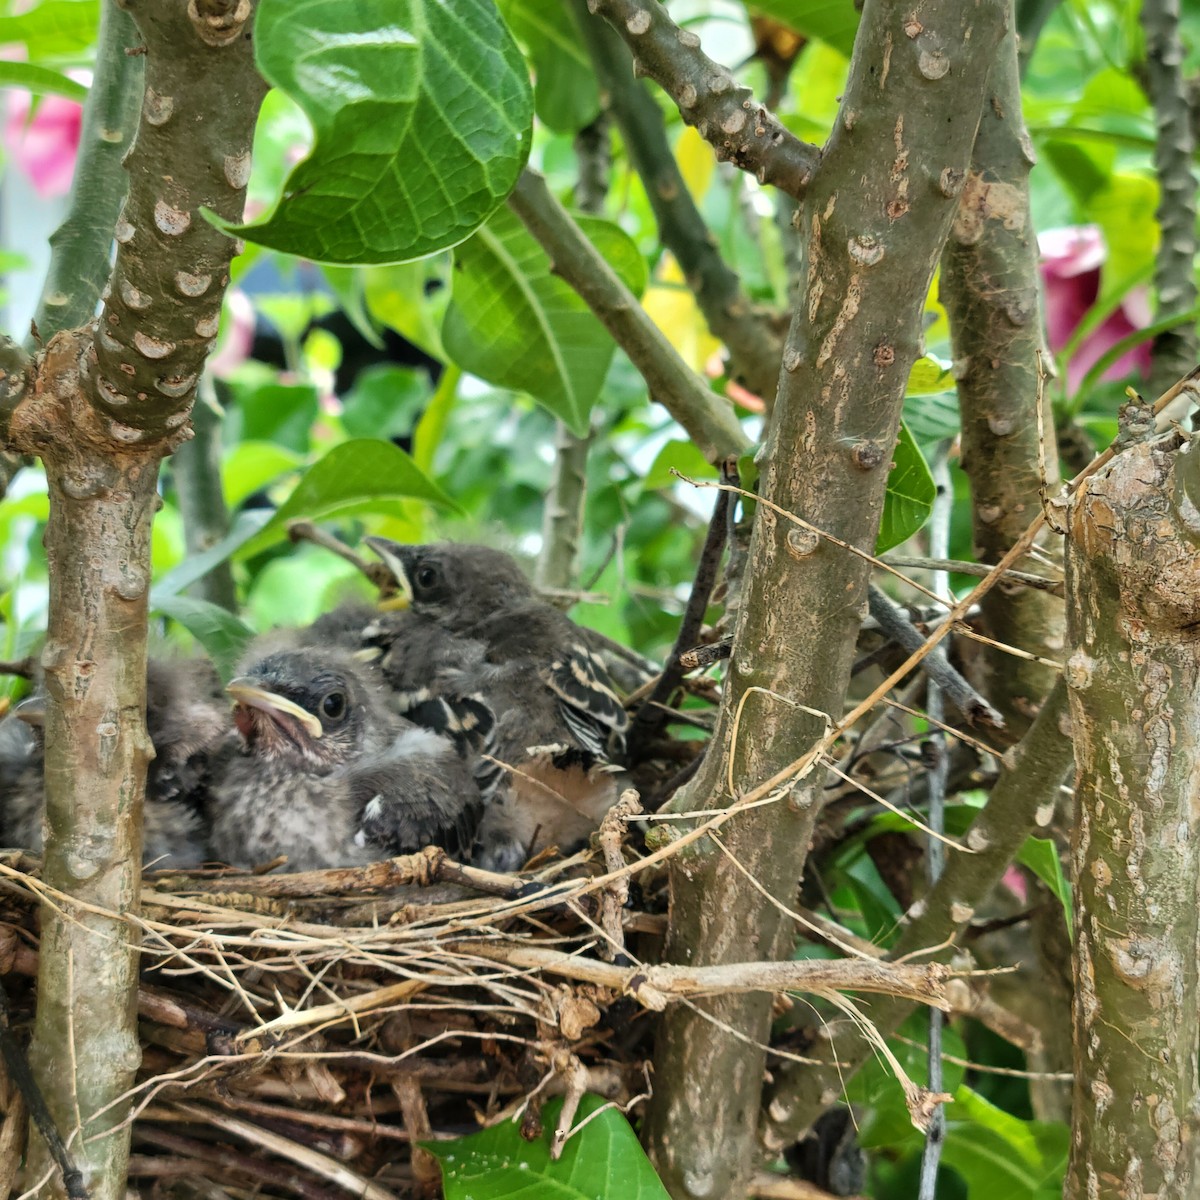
237	334
1071	262
44	147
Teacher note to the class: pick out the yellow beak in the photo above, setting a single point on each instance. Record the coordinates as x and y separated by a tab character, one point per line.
246	691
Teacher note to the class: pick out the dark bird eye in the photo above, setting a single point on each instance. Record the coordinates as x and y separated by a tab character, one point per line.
334	706
427	577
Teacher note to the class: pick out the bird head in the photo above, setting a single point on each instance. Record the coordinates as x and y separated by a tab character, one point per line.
456	586
304	705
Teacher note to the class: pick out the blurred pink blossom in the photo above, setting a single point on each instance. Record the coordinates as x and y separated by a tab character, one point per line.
44	147
1071	262
1014	880
237	336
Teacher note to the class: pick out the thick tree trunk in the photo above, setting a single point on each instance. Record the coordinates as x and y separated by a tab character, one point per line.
1134	679
875	217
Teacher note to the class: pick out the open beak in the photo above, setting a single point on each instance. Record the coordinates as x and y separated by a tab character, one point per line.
246	691
392	555
32	711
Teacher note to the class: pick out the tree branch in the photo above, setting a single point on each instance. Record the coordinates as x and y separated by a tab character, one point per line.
562	515
172	266
708	420
80	248
107	402
1022	802
1134	680
753	347
876	214
1174	352
990	285
741	130
891	620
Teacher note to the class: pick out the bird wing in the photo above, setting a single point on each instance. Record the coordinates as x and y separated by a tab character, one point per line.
419	793
589	707
469	723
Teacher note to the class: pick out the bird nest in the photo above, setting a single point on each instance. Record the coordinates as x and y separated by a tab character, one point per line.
302	1033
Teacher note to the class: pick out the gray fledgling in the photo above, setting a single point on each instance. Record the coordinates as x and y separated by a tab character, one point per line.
187	721
329	774
476	623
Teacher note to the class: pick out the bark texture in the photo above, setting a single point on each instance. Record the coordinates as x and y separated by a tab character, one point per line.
989	284
102	405
1133	578
875	216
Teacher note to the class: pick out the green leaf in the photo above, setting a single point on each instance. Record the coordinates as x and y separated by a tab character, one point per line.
385	402
603	1161
222	634
347	285
929	377
196	566
565	94
1041	856
364	475
677	455
422	114
517	325
833	21
55	30
251	466
1000	1156
41	80
431	428
932	419
910	494
266	411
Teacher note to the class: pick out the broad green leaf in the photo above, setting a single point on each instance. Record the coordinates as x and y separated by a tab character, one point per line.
422	114
58	29
364	475
1040	855
266	411
40	80
833	21
1125	211
929	377
198	565
677	455
910	494
222	634
932	419
385	402
347	285
603	1161
565	95
517	325
1000	1156
250	466
411	299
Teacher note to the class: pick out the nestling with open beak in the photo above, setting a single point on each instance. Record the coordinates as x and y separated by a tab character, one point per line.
187	721
331	776
475	624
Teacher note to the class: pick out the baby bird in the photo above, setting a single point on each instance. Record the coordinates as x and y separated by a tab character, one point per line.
187	721
330	775
475	623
